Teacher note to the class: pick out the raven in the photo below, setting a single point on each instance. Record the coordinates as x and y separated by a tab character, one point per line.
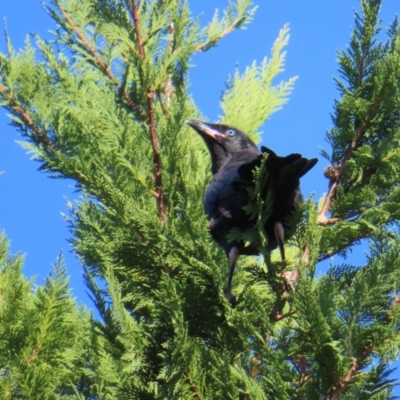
234	156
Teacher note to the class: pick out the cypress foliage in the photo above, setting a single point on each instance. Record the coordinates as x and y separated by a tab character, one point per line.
105	104
44	346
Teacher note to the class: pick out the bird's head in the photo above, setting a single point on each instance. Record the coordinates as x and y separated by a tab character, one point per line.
222	141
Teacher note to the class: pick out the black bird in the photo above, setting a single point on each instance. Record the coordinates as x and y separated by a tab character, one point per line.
234	156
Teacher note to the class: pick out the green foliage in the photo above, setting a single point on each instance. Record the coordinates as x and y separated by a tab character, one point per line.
43	335
365	135
105	104
250	99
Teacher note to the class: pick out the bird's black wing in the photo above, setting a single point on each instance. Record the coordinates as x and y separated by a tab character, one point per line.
222	196
284	173
283	182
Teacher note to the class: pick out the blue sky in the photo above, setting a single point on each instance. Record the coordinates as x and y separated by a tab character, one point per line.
31	204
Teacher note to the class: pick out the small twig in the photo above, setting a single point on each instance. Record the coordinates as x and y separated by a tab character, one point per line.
336	178
322	215
371	168
159	194
27	119
361	131
150	103
135	16
34	353
193	387
357	363
395	303
104	67
305	257
156	157
360	70
164	110
333	252
276	318
332	221
302	368
355	366
228	30
39	135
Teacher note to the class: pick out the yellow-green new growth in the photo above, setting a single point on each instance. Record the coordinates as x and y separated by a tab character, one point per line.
251	98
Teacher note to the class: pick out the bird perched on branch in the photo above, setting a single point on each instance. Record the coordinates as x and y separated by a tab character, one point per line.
234	157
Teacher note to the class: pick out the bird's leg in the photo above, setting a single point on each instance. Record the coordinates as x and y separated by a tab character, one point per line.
233	257
279	232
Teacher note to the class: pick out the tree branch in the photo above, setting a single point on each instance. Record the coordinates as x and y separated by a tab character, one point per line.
34	353
333	252
322	215
163	108
103	66
357	363
355	366
39	135
277	318
135	16
193	387
361	130
159	194
156	157
395	303
150	101
208	43
338	171
27	120
332	221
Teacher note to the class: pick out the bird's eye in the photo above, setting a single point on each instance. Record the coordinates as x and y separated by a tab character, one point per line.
230	132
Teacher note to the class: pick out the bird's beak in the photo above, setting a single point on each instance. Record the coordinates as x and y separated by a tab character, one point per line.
205	129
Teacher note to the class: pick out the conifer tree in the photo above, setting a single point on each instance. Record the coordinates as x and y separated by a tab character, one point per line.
44	345
105	104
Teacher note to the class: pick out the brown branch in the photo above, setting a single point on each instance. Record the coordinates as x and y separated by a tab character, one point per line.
337	176
135	16
395	303
163	108
333	252
361	69
103	66
355	366
159	194
371	168
39	135
27	119
305	257
332	221
277	318
150	101
34	353
361	130
228	30
322	215
156	157
193	387
357	363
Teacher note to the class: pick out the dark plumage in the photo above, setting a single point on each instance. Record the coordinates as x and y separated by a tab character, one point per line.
234	156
